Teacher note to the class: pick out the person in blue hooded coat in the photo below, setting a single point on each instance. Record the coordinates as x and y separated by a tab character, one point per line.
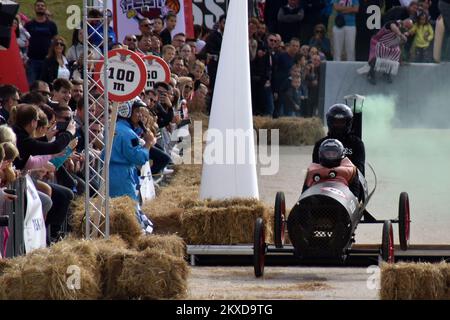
128	150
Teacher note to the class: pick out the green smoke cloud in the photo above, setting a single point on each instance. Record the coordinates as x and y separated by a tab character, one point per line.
408	159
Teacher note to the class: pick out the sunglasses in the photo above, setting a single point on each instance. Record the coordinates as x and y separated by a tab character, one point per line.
272	40
188	88
62	44
131	39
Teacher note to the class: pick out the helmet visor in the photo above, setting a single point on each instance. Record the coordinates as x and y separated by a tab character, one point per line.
339	124
339	127
330	154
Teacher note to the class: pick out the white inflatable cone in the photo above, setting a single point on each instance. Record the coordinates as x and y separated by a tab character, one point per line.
229	164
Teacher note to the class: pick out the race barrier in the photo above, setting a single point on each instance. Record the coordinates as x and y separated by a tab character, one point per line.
12	241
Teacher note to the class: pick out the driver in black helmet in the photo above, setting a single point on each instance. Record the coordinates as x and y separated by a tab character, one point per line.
333	166
339	122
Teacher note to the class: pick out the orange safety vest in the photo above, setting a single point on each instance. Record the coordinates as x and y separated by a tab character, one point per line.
318	173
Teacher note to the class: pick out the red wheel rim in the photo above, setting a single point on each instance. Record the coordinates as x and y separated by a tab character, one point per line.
407	219
391	246
262	253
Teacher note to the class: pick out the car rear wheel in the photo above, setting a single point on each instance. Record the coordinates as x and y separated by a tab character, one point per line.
279	219
404	220
259	248
387	244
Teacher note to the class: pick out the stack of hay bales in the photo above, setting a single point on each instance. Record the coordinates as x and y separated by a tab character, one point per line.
178	210
222	222
293	131
108	269
123	221
414	281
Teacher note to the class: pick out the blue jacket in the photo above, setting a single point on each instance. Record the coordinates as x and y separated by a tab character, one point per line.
96	38
126	155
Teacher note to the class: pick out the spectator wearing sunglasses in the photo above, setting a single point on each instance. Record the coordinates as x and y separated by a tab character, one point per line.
320	41
186	87
130	40
9	97
145	27
42	88
56	65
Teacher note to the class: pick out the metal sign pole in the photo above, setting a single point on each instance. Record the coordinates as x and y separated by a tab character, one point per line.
96	168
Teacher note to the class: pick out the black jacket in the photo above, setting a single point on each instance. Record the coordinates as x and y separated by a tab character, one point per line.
28	146
289	22
49	70
166	37
394	14
165	116
354	150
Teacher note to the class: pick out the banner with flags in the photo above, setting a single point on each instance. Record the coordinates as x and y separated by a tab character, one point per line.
127	13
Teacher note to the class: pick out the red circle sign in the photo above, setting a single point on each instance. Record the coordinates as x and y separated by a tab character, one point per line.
157	71
127	75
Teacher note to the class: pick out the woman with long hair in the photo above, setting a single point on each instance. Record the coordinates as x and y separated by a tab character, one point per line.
56	65
76	50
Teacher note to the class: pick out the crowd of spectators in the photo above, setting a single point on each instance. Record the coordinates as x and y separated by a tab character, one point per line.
43	130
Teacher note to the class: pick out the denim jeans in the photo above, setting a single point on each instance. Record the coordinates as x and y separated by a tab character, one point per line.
34	68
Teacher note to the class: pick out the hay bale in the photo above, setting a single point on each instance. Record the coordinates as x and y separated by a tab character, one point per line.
169	244
222	225
112	267
123	219
153	275
444	268
4	263
107	269
166	222
249	202
406	281
77	216
45	274
178	210
293	131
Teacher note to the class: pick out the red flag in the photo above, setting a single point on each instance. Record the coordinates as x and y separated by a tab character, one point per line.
189	19
12	70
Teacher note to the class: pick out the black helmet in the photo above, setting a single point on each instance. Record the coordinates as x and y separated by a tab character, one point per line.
331	152
339	120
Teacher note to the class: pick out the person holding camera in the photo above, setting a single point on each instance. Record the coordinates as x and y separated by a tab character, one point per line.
26	119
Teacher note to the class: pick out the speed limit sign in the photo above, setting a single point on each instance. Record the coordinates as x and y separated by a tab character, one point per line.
127	75
157	71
